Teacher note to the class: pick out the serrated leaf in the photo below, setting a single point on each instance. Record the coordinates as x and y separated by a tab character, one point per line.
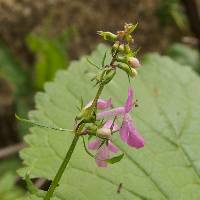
167	168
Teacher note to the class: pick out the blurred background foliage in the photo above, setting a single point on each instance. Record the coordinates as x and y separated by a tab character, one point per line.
37	38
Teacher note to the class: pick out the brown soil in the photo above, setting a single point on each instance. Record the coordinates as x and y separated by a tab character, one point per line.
19	17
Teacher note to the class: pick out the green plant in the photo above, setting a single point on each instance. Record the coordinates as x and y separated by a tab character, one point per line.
171	11
167	116
51	55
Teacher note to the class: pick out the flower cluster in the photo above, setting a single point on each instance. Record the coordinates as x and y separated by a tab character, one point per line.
128	133
125	57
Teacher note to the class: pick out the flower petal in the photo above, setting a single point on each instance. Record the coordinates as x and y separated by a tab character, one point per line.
103	104
94	144
111	113
112	147
129	102
124	131
135	140
109	123
101	156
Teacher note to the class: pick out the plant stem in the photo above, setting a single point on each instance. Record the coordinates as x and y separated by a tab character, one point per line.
62	168
94	103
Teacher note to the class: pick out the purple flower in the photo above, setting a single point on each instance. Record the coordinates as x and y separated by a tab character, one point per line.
107	129
128	133
103	152
101	104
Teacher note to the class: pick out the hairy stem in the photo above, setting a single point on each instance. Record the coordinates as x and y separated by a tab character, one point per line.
62	168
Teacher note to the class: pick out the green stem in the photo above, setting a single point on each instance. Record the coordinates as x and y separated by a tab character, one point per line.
94	103
62	168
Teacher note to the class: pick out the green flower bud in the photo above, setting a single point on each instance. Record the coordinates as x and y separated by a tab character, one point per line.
129	28
108	76
129	70
87	114
91	129
127	49
122	59
108	36
119	47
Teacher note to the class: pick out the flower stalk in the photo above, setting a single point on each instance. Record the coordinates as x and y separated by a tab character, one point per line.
62	168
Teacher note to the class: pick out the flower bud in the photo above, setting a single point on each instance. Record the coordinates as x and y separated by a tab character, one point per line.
109	76
87	114
133	62
129	70
127	49
122	59
107	36
104	132
117	46
129	28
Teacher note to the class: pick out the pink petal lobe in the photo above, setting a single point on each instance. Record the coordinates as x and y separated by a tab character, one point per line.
135	140
94	144
113	148
109	123
101	156
111	113
129	102
103	104
124	131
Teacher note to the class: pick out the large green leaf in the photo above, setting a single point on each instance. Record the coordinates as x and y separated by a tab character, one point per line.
168	167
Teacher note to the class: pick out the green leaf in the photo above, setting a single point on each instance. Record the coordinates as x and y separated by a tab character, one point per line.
167	168
8	191
115	159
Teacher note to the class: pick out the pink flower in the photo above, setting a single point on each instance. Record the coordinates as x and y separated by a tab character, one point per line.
107	129
128	132
103	152
101	104
133	62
